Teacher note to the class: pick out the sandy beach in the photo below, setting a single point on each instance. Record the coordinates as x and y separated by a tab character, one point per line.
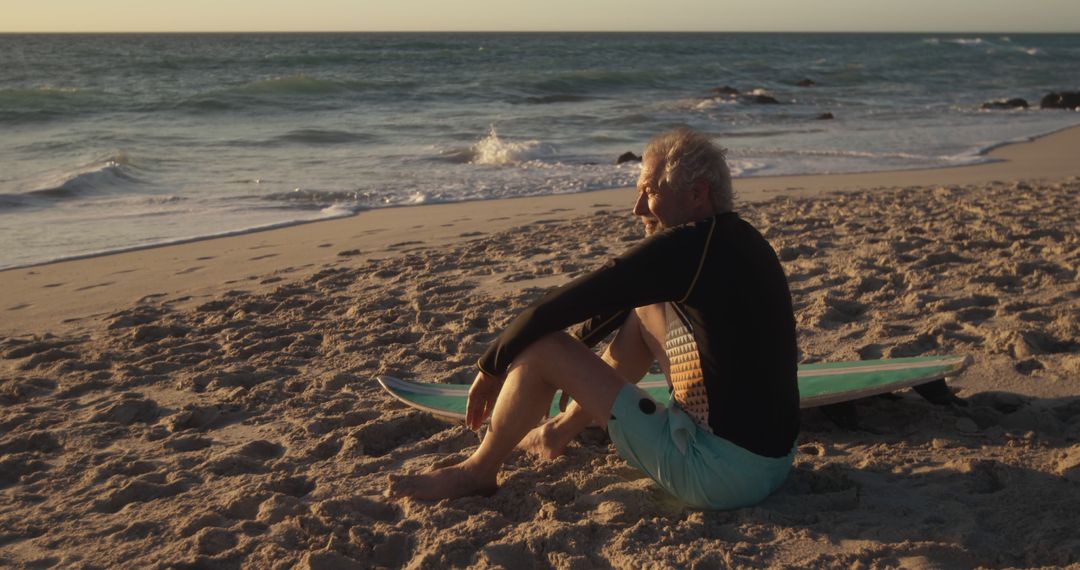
213	405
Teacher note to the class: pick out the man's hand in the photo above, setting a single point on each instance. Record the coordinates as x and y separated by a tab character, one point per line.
485	390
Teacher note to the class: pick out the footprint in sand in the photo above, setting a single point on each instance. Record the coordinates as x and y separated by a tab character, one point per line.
248	458
149	297
187	443
16	467
1028	366
19	307
95	285
126	410
256	258
205	258
871	351
211	541
325	245
974	314
189	270
983	476
403	244
51	285
977	301
137	491
293	486
825	489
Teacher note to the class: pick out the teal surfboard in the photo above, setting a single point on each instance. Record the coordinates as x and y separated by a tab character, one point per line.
819	384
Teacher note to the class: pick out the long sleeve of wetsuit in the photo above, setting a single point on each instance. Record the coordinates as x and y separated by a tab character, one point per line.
594	330
663	267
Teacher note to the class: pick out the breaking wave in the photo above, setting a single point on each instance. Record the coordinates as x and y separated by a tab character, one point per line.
493	150
107	175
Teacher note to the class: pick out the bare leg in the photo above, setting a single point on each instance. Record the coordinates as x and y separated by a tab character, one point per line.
549	439
556	361
631	353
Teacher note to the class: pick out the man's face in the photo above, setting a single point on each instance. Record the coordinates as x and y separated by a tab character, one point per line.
658	204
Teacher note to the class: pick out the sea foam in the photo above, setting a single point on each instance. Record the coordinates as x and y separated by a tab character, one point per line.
494	150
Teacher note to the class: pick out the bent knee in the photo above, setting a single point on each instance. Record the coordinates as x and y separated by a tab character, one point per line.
549	346
551	349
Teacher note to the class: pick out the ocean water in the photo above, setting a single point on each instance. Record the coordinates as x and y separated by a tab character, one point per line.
119	141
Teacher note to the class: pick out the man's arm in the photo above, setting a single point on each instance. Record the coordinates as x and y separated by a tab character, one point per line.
596	329
664	267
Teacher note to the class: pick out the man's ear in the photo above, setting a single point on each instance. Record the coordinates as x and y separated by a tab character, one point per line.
699	189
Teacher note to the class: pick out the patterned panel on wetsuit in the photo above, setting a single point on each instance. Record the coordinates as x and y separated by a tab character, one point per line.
687	379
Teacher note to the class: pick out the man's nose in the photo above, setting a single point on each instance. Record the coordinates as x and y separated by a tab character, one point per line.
640	205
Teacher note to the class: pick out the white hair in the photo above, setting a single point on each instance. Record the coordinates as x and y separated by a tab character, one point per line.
689	156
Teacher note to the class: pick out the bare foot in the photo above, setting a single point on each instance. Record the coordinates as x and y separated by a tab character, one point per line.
446	483
544	441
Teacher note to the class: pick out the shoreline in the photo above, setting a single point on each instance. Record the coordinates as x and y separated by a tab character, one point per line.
986	151
61	294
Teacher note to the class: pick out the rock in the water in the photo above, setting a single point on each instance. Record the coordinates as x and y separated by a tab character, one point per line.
806	83
825	116
1063	100
725	90
762	99
1014	103
627	157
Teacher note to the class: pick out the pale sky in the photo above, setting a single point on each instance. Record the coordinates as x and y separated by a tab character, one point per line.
539	15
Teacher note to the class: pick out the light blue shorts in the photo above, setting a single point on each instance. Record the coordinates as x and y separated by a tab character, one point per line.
699	468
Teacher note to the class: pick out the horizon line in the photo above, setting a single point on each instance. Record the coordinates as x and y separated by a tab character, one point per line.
120	32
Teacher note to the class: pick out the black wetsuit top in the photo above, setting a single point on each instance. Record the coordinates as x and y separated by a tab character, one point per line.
725	281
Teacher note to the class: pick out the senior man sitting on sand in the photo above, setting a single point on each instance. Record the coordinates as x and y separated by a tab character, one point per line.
703	294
